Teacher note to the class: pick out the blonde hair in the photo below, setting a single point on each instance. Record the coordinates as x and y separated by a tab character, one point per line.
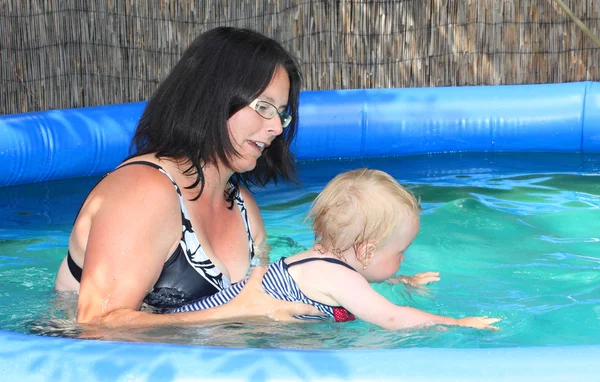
357	207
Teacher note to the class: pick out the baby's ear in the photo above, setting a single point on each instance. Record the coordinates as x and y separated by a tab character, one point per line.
364	252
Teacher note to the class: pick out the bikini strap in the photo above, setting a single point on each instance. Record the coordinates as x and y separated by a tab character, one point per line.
76	271
239	200
326	259
145	163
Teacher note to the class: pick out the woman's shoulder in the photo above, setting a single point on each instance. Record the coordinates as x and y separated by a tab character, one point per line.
131	201
138	178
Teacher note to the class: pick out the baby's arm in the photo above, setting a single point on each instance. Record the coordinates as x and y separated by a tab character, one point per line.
354	293
417	280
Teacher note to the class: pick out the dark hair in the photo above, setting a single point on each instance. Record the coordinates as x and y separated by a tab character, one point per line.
222	71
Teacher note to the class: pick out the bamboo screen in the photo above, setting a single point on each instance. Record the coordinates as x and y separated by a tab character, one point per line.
70	53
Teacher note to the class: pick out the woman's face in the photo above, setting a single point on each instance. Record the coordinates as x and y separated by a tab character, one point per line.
250	133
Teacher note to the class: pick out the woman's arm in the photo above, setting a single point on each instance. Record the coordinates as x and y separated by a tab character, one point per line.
135	224
354	293
252	302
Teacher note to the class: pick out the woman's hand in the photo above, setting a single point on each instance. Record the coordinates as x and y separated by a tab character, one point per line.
417	280
253	301
482	322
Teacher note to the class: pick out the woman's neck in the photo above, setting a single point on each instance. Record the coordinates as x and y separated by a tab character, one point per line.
216	181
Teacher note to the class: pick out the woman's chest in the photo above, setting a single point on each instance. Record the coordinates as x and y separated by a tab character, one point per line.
224	237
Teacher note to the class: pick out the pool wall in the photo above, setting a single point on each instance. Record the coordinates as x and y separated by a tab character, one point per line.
61	144
70	143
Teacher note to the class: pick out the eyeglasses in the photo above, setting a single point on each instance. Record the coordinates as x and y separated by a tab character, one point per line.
268	110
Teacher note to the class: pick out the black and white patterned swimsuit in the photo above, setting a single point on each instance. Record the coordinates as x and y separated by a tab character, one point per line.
188	274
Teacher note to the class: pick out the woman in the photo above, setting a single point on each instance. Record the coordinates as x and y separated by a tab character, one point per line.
174	222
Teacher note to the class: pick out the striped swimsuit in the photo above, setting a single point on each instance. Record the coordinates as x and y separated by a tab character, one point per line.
278	283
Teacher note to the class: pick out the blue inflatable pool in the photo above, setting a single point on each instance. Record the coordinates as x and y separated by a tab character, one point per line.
334	124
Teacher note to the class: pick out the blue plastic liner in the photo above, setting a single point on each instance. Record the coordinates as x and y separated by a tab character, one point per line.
556	118
371	123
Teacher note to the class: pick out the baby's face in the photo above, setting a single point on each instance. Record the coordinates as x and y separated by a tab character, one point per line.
388	256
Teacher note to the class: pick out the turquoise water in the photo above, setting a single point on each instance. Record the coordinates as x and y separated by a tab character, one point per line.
513	236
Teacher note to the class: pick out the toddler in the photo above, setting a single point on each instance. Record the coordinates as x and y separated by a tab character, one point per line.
363	221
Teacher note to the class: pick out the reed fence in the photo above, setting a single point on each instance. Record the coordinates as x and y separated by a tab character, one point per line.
70	53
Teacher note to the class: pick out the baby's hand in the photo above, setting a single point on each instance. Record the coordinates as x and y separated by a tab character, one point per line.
482	322
417	280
